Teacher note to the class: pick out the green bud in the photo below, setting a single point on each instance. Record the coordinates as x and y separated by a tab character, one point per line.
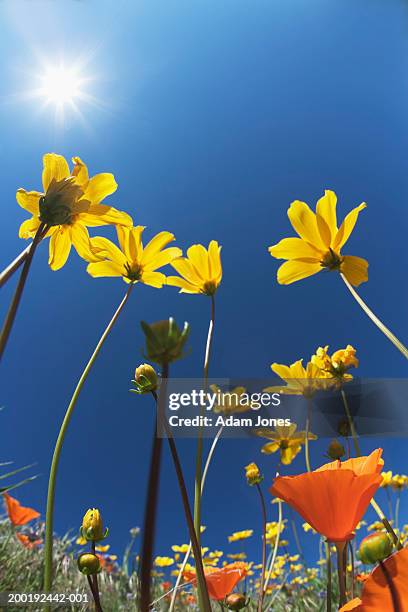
88	564
335	450
57	205
236	601
343	428
165	341
375	547
92	526
145	379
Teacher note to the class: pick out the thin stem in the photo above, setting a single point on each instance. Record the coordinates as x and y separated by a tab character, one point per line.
187	511
307	429
96	586
188	553
351	423
92	587
397	507
391	586
329	579
275	549
403	349
58	447
151	501
14	266
352	568
11	314
199	457
341	547
263	510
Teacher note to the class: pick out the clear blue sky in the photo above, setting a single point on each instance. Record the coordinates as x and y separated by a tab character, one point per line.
213	116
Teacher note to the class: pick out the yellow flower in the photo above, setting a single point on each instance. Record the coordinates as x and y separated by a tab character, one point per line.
387	479
294	558
132	261
240	535
81	541
237	556
163	561
399	482
307	528
338	364
273	530
286	440
320	243
253	475
70	202
376	526
180	549
200	271
92	526
300	380
102	549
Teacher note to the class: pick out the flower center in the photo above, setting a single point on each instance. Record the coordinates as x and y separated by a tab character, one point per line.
331	260
209	288
133	271
56	206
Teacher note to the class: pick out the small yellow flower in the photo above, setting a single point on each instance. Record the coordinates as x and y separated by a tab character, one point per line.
70	202
307	528
81	541
399	482
237	556
386	479
253	474
163	561
180	549
102	549
319	244
338	364
132	261
200	271
300	380
294	558
240	535
286	440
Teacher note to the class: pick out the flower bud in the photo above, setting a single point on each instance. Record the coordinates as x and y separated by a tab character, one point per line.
236	601
375	547
88	564
92	526
335	450
253	475
165	341
343	428
57	205
145	379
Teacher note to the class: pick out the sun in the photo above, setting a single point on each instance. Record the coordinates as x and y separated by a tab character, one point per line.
61	85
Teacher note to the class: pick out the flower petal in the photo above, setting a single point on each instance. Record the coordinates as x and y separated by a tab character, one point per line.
355	269
103	248
29	200
326	217
29	227
105	268
156	244
294	248
270	447
54	167
99	214
214	251
304	222
296	269
154	279
80	240
185	285
347	227
100	186
163	258
185	268
198	256
80	171
60	247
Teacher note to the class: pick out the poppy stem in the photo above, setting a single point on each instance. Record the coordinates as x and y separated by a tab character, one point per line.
275	548
329	579
352	568
263	509
391	586
11	314
341	547
187	510
199	457
403	349
307	429
188	553
49	517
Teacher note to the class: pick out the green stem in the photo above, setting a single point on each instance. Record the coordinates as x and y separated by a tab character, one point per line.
307	429
275	549
397	507
263	510
329	579
351	423
403	349
49	520
352	568
341	547
14	266
96	585
11	314
199	458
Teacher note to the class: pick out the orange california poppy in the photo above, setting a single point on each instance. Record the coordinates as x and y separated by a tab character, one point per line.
334	498
376	593
28	542
221	581
18	514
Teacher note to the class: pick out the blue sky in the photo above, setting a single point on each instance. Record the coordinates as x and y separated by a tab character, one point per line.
213	118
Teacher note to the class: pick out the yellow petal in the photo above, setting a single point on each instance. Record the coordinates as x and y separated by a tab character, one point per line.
130	240
163	258
81	242
296	269
105	268
100	187
60	247
186	269
54	167
270	447
29	227
99	214
29	200
294	248
186	287
283	371
347	227
326	217
155	245
154	279
297	370
288	454
214	251
304	222
355	269
198	256
103	248
80	171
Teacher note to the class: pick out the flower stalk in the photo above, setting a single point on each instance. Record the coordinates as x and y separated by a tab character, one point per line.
275	549
263	509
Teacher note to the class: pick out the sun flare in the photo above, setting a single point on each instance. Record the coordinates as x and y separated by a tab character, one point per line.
61	85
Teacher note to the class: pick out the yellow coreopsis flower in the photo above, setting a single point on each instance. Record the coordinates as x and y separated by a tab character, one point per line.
399	482
240	535
200	271
319	244
338	364
132	261
286	439
180	549
300	380
70	202
163	561
386	479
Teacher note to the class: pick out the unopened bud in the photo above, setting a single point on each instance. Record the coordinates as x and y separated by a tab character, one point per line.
145	379
335	450
88	564
92	526
375	547
236	601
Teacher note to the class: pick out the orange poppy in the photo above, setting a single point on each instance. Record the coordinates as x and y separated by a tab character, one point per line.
376	593
334	498
26	541
18	514
221	581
